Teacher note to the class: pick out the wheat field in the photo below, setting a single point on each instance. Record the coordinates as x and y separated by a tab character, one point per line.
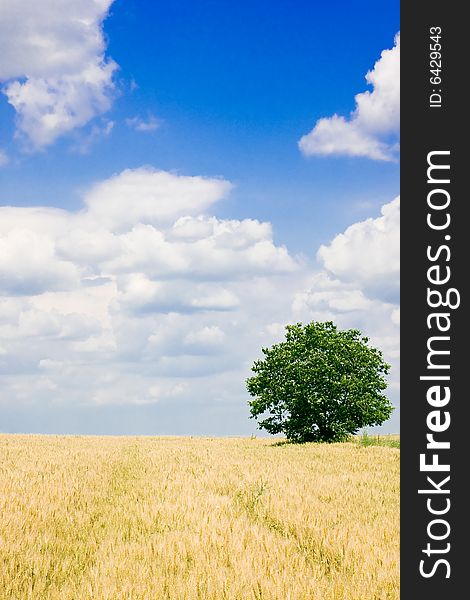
180	518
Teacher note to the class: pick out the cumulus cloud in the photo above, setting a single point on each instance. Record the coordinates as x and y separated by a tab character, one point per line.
208	339
332	296
151	197
141	276
331	299
358	285
368	253
56	74
142	224
29	265
372	129
144	297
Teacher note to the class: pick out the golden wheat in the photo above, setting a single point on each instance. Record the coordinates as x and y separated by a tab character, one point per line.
178	518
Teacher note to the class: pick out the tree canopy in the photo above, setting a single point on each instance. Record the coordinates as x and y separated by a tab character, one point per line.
321	384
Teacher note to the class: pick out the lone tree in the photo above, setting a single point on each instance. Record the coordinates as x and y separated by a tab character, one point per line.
320	385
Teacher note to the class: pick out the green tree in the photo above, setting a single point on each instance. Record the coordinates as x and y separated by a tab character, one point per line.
320	385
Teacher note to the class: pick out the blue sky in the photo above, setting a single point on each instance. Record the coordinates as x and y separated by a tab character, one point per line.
216	176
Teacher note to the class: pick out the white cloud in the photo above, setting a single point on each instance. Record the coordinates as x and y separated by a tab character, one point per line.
139	294
214	297
142	297
372	129
4	160
148	196
55	325
332	296
29	265
359	285
104	285
327	298
48	364
368	252
54	65
348	306
206	340
142	125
